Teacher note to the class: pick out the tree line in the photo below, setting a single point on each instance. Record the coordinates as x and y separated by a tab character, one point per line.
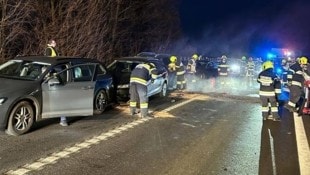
102	29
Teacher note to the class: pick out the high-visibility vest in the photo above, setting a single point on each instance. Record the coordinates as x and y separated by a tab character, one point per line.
53	52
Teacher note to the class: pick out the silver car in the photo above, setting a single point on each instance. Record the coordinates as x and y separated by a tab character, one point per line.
121	69
37	87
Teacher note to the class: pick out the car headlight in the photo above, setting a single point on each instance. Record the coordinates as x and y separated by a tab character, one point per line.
2	100
123	86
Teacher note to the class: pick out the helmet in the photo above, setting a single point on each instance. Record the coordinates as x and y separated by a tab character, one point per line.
173	59
152	65
303	60
267	65
243	58
195	56
224	57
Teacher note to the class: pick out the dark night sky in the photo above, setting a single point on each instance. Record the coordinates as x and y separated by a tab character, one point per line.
246	27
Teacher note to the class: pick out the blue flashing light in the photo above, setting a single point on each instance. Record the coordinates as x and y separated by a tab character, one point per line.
279	71
271	55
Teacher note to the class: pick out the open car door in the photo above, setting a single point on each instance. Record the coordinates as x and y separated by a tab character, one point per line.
69	92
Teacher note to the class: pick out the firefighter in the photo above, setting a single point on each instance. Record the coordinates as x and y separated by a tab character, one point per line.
267	94
191	68
250	67
285	68
295	82
139	78
181	83
243	66
223	69
172	72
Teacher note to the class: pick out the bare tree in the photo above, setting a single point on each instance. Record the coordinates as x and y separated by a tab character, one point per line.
102	29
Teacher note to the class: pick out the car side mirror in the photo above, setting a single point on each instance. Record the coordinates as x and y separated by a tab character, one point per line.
53	81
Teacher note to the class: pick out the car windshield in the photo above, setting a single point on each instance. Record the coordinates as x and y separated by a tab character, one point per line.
21	69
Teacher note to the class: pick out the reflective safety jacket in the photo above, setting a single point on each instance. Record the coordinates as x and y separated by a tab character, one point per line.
180	69
250	68
277	87
267	78
295	75
285	71
191	66
142	73
50	51
223	69
172	67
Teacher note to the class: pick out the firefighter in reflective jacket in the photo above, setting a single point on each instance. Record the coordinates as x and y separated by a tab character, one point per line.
181	83
250	67
140	77
172	73
223	69
267	94
191	68
296	80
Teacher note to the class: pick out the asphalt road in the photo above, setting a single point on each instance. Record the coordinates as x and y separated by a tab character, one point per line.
192	133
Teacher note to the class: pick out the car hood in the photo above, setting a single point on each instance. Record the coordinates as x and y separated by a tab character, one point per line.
14	85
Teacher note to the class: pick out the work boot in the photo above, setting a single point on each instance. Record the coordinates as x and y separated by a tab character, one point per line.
63	121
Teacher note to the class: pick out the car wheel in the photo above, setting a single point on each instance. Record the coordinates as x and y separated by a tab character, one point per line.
163	92
100	102
21	119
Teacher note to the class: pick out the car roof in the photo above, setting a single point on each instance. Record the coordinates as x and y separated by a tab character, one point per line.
54	60
136	58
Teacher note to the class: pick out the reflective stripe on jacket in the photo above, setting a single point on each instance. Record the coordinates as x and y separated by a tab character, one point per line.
266	79
142	73
295	75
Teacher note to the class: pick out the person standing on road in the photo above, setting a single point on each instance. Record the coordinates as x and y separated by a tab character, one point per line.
267	94
51	51
250	67
295	81
223	70
191	69
141	75
181	83
172	73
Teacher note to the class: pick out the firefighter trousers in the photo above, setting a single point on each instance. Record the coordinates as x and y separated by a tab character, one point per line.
181	83
265	101
138	94
295	94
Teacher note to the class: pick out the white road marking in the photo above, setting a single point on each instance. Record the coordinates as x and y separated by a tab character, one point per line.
179	105
302	146
273	159
186	124
65	153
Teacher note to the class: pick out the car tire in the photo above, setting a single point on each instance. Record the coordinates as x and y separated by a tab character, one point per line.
100	102
21	119
163	92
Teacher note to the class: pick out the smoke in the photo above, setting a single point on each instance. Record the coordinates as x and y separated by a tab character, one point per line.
229	85
251	32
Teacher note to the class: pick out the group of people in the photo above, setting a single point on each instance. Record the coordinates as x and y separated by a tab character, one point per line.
270	84
270	87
